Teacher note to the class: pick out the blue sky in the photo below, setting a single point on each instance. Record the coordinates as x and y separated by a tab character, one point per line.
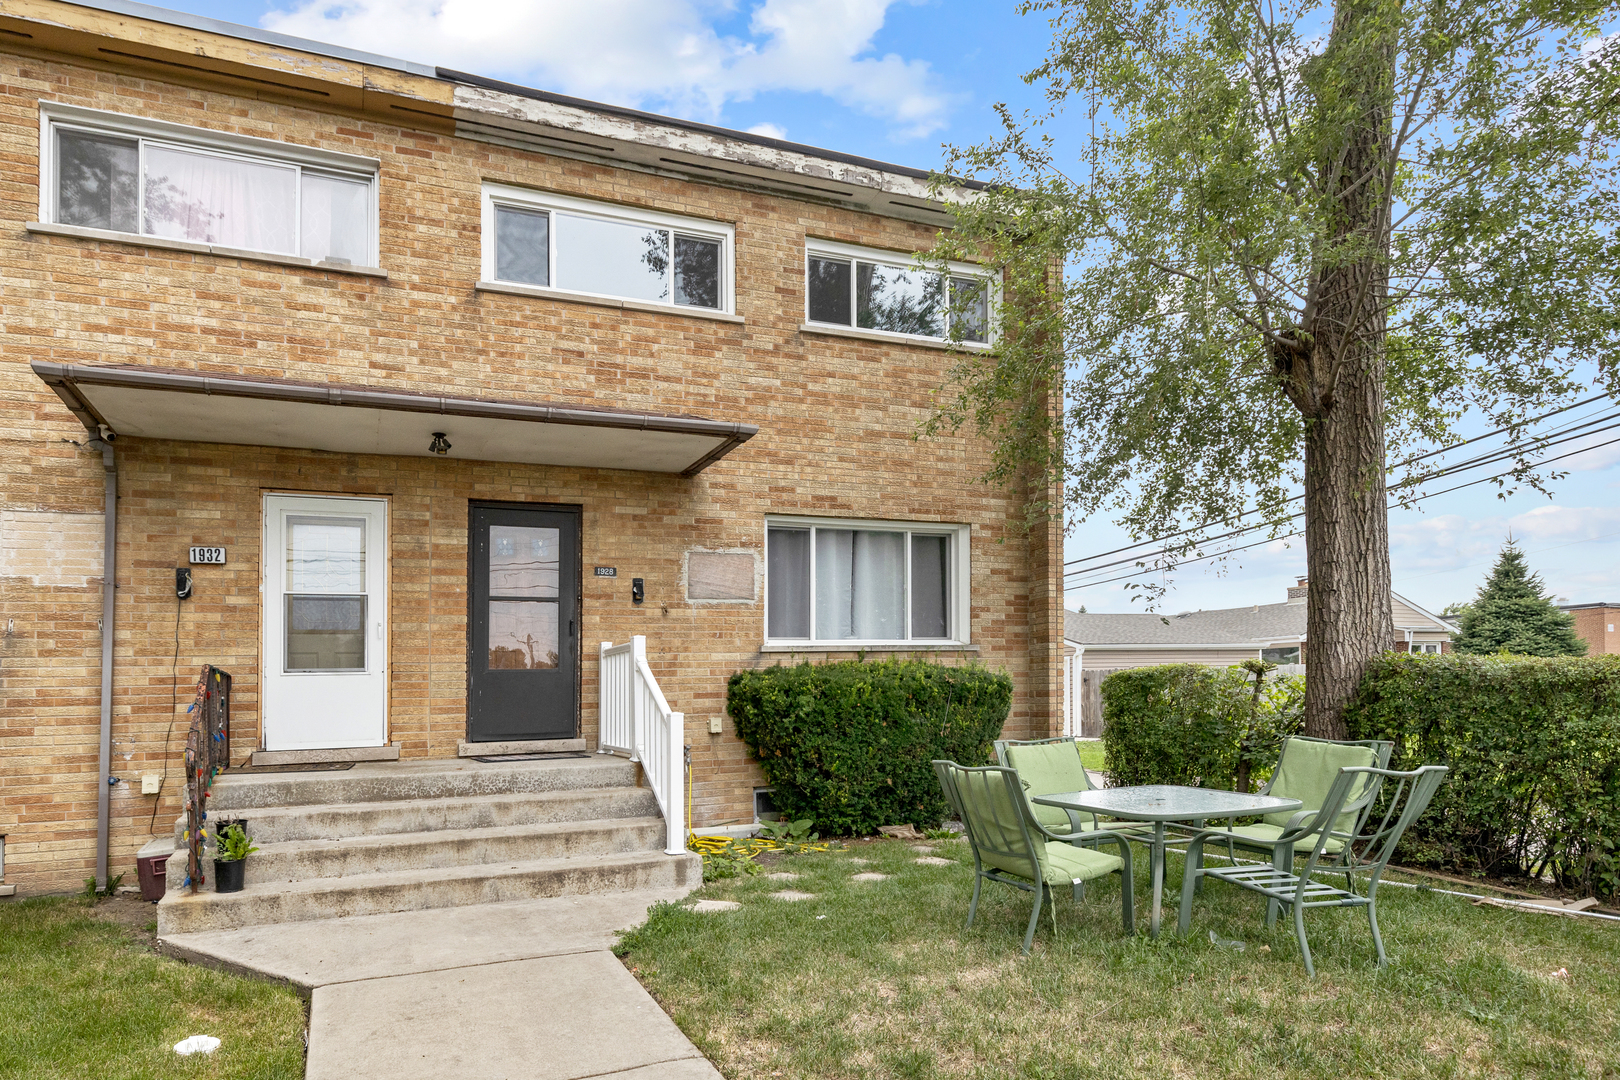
897	80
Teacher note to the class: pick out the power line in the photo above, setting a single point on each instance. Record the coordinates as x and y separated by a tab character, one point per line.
1539	444
1297	532
1296	498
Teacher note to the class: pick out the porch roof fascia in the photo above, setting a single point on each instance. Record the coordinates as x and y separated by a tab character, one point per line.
77	384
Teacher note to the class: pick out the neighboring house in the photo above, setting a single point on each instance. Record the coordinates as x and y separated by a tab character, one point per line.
435	384
1274	632
1598	625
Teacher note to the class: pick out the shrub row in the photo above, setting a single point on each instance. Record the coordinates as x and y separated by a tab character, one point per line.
848	744
1194	725
1534	750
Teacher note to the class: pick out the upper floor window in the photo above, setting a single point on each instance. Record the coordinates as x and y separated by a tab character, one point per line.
889	293
877	582
131	175
556	242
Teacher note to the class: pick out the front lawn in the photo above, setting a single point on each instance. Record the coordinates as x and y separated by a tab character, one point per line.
1091	754
880	980
84	997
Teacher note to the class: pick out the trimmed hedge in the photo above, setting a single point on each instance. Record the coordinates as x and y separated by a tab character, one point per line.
1194	725
1534	749
848	744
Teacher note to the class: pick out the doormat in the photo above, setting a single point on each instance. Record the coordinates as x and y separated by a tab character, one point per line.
496	759
313	766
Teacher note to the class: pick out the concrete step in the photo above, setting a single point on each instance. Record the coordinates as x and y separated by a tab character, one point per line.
300	860
275	824
416	890
435	778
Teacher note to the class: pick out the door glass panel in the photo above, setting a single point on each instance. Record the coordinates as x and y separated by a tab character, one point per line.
326	555
522	635
523	561
326	633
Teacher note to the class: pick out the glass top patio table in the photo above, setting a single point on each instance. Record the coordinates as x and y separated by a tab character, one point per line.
1167	802
1161	803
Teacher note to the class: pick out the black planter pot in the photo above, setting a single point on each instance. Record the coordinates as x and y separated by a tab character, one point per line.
228	875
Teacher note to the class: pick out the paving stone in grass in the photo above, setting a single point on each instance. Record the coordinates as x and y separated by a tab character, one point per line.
930	860
782	875
792	894
870	877
716	905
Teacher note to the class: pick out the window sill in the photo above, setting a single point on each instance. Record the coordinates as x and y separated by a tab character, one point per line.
855	646
79	232
891	338
542	293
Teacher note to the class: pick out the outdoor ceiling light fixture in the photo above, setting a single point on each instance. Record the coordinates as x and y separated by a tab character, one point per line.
440	445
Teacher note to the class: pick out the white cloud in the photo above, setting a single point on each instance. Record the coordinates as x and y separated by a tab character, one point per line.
1566	523
770	131
660	54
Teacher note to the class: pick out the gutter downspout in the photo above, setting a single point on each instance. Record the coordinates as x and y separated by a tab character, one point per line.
108	598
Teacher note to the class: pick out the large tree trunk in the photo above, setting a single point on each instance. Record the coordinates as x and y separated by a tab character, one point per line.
1333	371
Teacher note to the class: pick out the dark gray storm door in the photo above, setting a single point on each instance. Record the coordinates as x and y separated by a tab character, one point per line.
523	623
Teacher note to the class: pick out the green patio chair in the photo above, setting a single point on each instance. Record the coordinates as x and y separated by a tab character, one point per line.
1051	767
1306	770
1011	847
1411	794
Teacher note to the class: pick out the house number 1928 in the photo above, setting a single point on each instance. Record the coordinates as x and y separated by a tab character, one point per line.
210	556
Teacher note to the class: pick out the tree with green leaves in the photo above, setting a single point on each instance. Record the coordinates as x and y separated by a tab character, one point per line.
1302	238
1514	613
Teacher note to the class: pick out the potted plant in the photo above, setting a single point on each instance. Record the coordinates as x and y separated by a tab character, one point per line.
231	849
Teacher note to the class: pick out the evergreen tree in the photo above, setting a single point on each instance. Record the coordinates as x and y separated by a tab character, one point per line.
1513	613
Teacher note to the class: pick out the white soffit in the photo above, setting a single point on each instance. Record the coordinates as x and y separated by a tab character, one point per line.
191	407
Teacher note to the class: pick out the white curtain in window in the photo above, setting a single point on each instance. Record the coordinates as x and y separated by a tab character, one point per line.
336	219
219	200
860	585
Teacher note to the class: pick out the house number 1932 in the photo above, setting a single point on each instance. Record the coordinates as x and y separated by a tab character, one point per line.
211	556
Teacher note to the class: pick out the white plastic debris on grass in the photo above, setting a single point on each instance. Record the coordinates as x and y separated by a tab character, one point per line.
197	1044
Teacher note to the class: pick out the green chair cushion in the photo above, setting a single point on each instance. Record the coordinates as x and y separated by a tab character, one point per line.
1264	836
1066	864
1045	769
1307	771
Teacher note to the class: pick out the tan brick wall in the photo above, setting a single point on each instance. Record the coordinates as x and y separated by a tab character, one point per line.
837	419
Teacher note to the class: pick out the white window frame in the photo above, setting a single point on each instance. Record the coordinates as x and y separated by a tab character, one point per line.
959	616
350	167
516	198
903	261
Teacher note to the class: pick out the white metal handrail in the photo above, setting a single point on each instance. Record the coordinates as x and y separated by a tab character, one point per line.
635	719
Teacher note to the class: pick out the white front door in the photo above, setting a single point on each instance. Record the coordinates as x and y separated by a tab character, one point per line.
325	671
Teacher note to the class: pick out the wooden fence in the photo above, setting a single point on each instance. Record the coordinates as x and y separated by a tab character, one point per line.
1091	714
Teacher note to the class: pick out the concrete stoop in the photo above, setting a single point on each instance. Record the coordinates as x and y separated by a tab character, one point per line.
414	835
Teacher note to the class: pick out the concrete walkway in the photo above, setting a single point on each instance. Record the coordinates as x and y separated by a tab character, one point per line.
488	992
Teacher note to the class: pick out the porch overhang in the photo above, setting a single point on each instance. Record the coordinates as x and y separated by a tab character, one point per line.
165	403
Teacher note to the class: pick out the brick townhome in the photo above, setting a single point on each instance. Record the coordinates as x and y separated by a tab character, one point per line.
279	277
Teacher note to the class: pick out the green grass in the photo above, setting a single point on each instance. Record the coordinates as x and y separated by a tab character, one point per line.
1091	754
880	980
81	997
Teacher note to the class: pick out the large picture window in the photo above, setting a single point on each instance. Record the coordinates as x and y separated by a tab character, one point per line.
599	249
122	174
887	293
875	582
